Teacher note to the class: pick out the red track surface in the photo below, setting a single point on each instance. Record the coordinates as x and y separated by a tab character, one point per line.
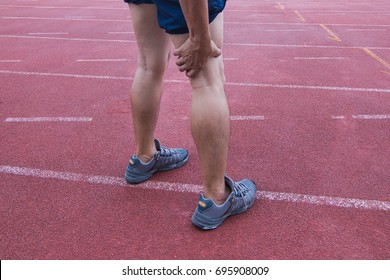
315	76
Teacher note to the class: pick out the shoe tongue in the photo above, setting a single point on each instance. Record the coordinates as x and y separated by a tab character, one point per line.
229	182
157	144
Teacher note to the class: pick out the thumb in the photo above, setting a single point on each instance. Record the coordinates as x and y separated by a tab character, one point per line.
215	51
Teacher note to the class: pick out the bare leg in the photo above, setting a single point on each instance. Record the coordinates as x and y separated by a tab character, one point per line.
153	54
210	120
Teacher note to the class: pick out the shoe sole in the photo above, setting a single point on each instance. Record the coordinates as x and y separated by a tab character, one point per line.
205	225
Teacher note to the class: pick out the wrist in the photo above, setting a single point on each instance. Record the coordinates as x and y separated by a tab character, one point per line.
201	39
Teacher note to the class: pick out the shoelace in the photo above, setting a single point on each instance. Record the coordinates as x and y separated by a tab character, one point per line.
170	156
241	190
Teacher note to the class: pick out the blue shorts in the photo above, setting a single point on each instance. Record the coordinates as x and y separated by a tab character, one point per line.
170	16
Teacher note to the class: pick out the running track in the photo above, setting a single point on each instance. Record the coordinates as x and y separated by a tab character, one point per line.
309	92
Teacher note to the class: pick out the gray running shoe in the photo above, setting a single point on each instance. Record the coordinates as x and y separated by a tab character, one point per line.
208	215
163	160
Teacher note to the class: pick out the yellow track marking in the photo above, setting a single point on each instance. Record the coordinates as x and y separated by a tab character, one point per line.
279	6
377	58
333	35
300	17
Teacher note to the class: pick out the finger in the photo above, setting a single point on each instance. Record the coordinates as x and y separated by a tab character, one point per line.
177	52
215	50
183	68
192	73
180	61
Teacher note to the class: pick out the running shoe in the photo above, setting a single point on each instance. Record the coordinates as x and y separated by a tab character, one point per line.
163	160
208	215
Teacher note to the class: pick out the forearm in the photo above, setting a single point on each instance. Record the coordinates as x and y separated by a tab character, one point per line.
197	18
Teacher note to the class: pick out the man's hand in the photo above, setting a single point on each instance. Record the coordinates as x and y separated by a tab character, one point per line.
193	55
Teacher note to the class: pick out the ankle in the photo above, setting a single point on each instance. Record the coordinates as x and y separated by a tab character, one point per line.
219	197
146	156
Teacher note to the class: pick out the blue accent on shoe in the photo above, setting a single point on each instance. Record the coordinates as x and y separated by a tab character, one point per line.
208	215
163	160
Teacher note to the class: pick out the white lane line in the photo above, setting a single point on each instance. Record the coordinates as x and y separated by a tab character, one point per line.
104	60
256	45
371	117
287	30
320	58
326	200
48	33
240	118
63	7
190	188
226	22
304	24
231	58
68	18
64	75
72	39
79	17
50	119
338	117
334	14
10	61
121	32
370	30
231	44
329	88
247	118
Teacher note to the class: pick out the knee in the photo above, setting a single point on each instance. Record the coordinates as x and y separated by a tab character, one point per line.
212	75
154	65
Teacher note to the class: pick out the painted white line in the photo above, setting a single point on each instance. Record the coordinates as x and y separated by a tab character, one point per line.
239	118
103	60
329	88
65	75
326	200
287	30
338	117
334	14
227	22
190	188
370	30
255	45
71	39
63	7
230	44
304	24
68	19
11	61
121	32
49	119
320	58
371	117
79	17
49	33
247	118
231	58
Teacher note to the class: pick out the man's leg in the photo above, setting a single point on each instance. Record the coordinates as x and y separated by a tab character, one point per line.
153	54
210	120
